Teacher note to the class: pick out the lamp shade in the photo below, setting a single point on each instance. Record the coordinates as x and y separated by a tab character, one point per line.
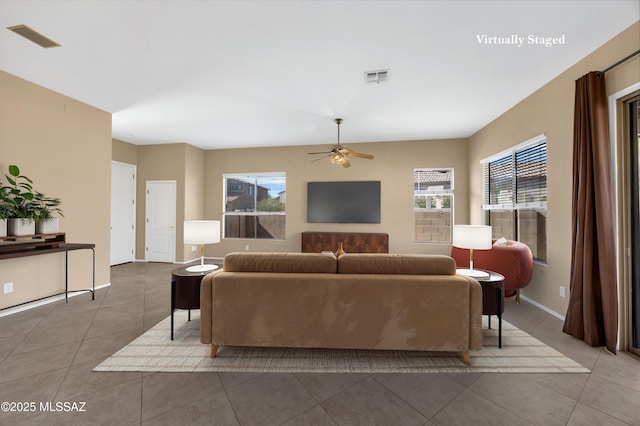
201	231
476	237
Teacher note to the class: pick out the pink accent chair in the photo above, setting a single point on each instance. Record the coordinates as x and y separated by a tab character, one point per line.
513	260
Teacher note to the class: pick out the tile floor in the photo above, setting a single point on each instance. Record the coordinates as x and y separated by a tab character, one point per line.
47	354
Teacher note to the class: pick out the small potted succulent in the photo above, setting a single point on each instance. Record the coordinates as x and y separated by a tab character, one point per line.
18	203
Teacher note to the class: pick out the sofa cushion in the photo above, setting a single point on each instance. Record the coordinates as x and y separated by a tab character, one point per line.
280	262
355	311
401	264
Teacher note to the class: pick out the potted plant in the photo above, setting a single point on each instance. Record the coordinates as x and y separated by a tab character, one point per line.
46	207
4	213
18	203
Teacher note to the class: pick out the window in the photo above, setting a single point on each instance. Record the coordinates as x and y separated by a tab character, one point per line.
254	206
432	205
515	194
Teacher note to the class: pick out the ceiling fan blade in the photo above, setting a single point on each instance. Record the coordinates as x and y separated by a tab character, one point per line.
321	158
357	154
323	152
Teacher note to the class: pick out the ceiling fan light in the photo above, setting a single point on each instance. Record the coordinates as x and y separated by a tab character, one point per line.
337	158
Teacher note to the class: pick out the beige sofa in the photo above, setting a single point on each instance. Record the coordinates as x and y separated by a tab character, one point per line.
359	301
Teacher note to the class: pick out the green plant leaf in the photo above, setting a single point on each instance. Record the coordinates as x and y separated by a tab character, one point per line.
11	181
14	170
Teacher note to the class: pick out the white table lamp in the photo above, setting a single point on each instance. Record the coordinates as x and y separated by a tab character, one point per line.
472	237
201	232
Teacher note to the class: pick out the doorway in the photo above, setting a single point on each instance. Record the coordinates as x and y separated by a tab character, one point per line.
123	213
634	219
160	222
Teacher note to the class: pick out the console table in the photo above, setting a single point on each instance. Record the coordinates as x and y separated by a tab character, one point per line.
360	242
12	247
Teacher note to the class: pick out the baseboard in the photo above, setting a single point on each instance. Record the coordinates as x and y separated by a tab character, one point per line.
544	308
46	301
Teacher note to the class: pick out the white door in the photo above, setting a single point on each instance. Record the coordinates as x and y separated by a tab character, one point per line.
123	212
160	231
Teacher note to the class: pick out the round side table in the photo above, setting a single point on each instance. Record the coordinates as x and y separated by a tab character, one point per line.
493	298
185	291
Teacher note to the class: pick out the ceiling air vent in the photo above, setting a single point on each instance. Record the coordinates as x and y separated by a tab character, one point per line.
376	76
34	36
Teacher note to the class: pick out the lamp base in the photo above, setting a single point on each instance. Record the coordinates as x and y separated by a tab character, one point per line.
202	268
473	273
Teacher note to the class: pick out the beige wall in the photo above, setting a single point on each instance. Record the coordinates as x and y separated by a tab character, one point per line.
65	147
124	152
550	110
198	175
159	162
393	166
178	162
194	192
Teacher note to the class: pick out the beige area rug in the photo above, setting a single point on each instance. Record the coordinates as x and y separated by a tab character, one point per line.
155	352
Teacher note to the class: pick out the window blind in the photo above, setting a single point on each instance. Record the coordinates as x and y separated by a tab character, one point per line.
517	180
531	174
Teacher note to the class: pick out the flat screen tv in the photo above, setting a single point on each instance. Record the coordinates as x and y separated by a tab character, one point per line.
343	202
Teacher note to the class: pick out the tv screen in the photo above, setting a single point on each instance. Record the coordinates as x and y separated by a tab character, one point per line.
343	202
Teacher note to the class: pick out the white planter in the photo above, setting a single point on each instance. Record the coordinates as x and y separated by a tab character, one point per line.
3	227
49	226
19	226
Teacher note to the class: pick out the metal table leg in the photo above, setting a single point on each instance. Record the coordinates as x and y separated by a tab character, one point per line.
173	303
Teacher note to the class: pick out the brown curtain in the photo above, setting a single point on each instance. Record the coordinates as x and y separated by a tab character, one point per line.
592	314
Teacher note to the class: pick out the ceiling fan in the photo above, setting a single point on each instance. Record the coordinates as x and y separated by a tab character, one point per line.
339	154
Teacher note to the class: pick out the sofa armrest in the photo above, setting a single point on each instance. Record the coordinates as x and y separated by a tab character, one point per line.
475	313
206	303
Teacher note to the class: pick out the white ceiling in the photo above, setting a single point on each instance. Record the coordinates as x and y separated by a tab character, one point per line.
223	74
